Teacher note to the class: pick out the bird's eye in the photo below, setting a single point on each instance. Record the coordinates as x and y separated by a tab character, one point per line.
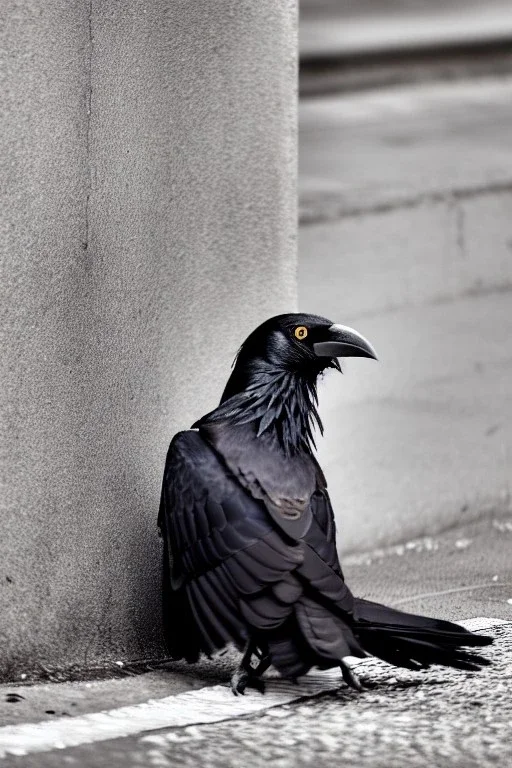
301	332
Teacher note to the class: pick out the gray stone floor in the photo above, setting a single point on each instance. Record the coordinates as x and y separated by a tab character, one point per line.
436	719
439	719
442	717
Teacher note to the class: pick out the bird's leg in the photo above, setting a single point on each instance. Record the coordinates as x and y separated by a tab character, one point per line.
261	667
240	677
248	674
350	677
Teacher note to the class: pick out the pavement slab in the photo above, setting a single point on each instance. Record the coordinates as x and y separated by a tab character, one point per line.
406	719
186	715
460	572
441	717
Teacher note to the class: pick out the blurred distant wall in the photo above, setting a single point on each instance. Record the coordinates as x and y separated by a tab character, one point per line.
148	221
406	233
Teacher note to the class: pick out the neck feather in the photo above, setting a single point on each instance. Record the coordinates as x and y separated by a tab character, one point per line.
280	404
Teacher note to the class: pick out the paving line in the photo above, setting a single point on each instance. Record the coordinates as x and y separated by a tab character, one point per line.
453	591
210	704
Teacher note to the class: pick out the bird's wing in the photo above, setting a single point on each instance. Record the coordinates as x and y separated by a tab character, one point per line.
228	569
322	534
293	491
321	566
325	610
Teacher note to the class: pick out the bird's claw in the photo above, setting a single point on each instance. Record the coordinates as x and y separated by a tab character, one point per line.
351	679
257	684
241	680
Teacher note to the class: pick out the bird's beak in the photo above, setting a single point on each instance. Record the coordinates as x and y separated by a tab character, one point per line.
343	341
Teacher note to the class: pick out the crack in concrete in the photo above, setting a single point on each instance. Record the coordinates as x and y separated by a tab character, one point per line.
453	591
88	107
100	626
328	208
460	227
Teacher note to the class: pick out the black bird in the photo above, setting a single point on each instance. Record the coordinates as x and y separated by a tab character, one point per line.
249	535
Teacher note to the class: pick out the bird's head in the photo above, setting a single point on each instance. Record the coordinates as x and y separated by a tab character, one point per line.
273	382
295	343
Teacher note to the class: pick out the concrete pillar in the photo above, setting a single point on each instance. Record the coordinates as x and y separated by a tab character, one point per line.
148	222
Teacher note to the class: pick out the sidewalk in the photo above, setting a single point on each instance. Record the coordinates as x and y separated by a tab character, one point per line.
440	717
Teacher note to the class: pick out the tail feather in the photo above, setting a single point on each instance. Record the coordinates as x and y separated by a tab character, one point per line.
392	655
415	642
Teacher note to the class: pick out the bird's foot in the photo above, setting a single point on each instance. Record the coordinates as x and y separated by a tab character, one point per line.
351	678
242	679
239	681
248	674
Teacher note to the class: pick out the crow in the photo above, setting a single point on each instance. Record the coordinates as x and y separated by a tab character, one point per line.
249	534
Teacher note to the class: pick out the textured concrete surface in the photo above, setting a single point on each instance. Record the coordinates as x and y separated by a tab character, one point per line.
464	571
148	221
406	235
443	718
440	717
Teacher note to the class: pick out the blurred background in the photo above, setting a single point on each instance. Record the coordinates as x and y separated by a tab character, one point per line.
405	178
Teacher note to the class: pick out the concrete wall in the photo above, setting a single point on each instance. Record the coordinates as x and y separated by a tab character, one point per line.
407	235
148	222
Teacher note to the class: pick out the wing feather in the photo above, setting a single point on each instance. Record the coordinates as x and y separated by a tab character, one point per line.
237	572
225	551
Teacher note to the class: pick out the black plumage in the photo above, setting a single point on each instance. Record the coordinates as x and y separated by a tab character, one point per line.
249	536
